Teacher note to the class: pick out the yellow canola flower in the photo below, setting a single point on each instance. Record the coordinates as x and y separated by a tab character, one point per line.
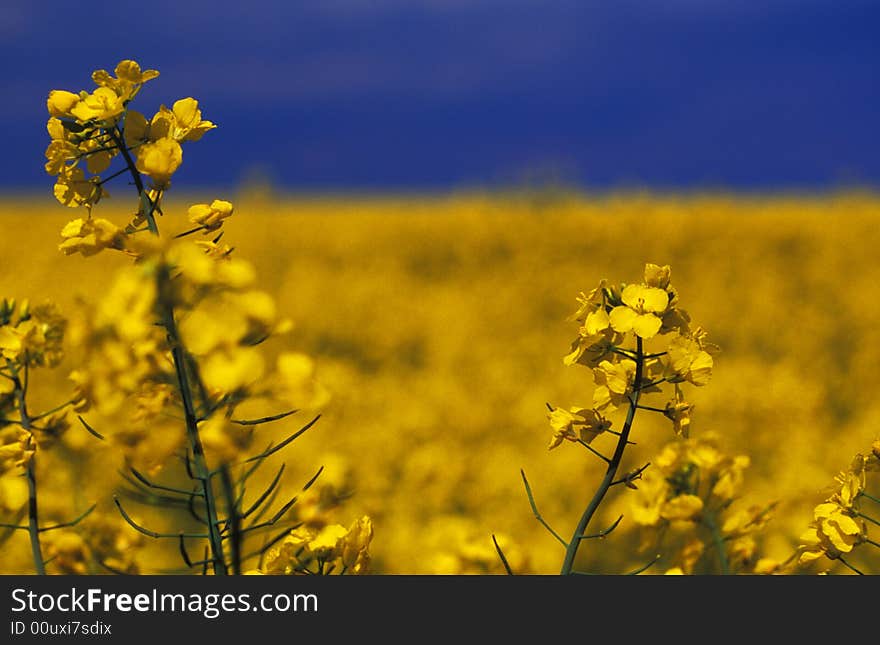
129	78
731	477
832	533
297	381
210	216
689	361
679	412
232	370
36	340
73	189
183	122
642	310
612	380
206	269
681	507
17	453
658	276
576	423
159	160
61	102
354	545
90	236
101	105
839	527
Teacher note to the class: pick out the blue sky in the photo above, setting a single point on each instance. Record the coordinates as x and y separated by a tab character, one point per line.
334	95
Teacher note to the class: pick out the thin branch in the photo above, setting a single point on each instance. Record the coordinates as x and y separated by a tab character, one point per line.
148	532
601	534
254	422
281	445
149	484
537	514
89	428
593	450
501	555
73	522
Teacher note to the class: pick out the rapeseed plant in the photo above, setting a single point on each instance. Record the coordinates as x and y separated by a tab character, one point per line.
170	361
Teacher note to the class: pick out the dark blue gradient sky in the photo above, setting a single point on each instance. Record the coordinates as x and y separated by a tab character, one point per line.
335	95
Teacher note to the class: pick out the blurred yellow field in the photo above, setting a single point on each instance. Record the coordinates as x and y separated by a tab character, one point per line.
438	324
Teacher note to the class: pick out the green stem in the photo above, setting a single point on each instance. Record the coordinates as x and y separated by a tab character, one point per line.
719	543
611	470
138	182
31	476
202	472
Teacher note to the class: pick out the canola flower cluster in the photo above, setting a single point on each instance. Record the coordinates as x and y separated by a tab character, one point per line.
169	368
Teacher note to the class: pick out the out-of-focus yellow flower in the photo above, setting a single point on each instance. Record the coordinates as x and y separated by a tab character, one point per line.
222	439
90	236
68	552
730	478
210	216
232	370
13	491
201	269
641	312
298	383
681	507
159	160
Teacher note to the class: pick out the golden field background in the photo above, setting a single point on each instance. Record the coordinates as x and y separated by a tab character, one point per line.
438	324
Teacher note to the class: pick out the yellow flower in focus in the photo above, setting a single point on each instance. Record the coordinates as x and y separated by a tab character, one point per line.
354	546
613	380
210	216
679	412
129	78
73	189
90	236
689	361
159	160
183	122
59	153
101	105
840	529
641	312
577	423
61	102
657	276
852	482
